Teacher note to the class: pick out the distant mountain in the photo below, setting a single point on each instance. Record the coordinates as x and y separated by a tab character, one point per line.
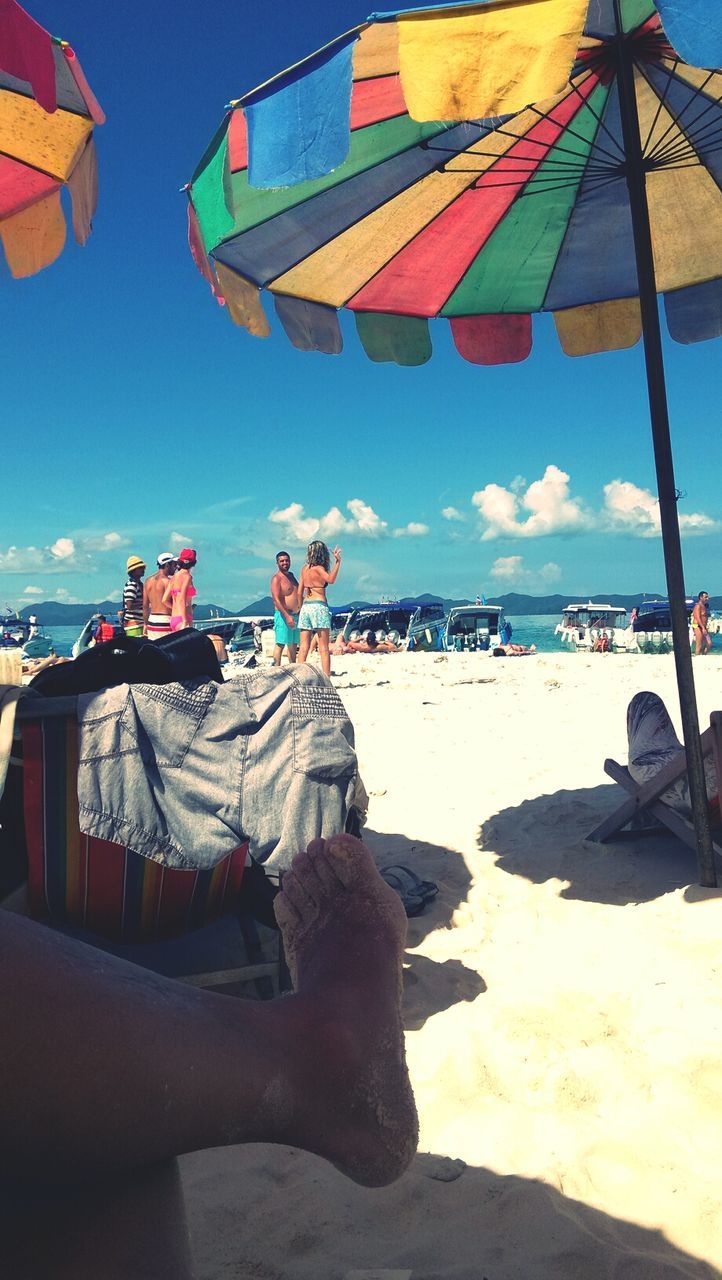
50	613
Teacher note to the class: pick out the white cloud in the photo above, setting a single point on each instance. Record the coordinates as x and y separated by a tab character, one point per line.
105	542
60	558
296	523
33	591
362	521
366	520
451	513
63	548
179	540
629	509
414	529
512	571
552	508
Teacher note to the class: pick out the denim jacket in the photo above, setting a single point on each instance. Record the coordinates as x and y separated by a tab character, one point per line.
183	773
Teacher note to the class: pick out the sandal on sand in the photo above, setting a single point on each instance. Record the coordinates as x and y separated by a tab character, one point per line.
412	890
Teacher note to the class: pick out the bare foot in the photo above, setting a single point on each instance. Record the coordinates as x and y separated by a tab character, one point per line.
344	931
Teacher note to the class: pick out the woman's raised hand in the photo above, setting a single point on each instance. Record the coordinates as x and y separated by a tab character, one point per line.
337	553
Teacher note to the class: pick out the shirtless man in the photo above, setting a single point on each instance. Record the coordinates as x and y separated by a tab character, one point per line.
700	621
156	614
284	590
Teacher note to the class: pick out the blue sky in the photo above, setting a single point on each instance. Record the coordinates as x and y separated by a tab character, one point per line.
137	417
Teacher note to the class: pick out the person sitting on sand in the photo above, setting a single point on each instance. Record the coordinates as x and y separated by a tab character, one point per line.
372	642
109	1072
340	646
513	650
652	743
315	615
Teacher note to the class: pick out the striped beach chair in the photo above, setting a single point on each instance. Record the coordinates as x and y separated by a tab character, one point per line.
184	923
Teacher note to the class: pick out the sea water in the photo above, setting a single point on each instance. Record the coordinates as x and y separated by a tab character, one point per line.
527	629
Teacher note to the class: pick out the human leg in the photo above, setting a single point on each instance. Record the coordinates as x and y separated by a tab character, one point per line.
304	646
129	1227
292	652
107	1067
323	651
277	654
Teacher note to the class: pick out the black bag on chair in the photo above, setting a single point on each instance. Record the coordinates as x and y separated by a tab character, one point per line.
181	655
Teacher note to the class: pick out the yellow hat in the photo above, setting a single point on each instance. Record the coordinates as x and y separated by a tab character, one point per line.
134	562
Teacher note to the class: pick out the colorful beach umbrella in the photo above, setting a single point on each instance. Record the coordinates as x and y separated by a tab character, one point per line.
47	114
477	164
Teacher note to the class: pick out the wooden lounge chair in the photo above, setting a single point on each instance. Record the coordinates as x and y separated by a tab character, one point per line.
644	801
190	925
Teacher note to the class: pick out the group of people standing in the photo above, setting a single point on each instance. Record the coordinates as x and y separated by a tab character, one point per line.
163	603
301	607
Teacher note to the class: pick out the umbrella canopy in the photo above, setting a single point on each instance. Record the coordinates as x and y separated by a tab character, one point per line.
480	221
47	114
480	163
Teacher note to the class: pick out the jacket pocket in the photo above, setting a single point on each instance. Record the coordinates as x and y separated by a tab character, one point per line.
322	734
164	719
156	723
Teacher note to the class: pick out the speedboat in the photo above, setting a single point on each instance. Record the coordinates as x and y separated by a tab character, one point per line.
390	617
584	625
466	627
25	635
235	632
651	629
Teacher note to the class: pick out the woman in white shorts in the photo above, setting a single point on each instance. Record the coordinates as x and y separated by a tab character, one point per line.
315	615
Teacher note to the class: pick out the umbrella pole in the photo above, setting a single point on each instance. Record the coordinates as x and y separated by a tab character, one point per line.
659	415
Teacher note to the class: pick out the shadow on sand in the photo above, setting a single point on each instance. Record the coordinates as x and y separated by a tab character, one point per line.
429	985
442	1219
545	838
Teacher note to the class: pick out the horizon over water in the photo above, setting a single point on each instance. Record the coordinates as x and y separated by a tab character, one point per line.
528	629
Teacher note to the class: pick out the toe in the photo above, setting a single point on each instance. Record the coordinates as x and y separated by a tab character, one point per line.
323	869
350	860
298	895
285	912
304	869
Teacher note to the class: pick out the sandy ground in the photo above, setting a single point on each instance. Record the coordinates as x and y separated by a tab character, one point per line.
563	1009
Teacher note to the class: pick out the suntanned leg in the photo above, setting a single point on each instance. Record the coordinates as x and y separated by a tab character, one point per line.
304	646
277	654
106	1067
323	651
132	1227
292	652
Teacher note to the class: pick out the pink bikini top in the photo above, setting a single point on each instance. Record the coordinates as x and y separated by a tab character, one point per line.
190	593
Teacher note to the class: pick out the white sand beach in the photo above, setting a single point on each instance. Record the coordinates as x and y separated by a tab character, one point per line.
562	1000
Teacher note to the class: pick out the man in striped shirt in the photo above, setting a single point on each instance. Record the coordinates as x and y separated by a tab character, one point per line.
131	614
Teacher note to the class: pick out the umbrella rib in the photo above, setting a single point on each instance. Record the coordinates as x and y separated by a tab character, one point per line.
338	186
593	146
602	125
660	104
532	142
685	150
685	147
661	148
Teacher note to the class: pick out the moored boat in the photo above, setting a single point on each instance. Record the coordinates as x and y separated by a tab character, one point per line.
585	627
651	628
26	636
464	628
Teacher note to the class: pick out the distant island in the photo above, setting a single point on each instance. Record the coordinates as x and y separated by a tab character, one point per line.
50	613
